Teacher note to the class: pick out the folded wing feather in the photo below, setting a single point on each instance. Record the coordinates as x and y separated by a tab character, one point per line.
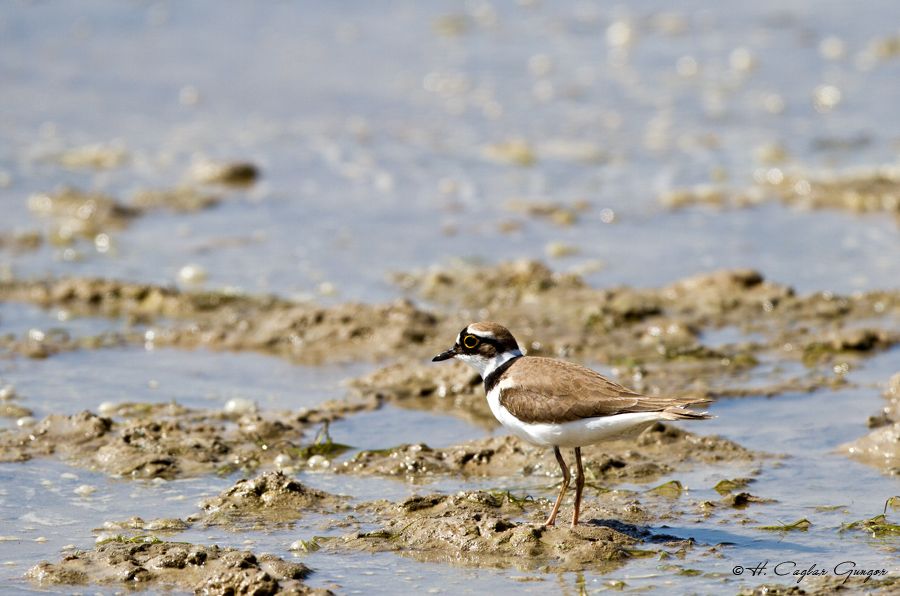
554	391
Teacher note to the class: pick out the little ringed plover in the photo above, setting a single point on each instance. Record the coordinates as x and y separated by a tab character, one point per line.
557	404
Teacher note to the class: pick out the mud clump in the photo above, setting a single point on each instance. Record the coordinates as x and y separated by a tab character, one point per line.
79	214
862	190
159	440
176	566
657	451
272	498
38	344
95	156
703	194
559	214
238	173
183	199
881	447
475	528
20	242
508	282
10	410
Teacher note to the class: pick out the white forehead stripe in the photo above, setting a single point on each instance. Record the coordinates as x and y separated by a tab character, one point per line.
480	333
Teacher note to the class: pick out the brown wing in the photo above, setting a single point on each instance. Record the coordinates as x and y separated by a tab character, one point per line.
549	390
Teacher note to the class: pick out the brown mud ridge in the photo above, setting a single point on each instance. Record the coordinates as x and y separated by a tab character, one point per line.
862	190
168	440
611	325
55	341
219	320
654	336
559	314
479	529
881	447
657	451
134	563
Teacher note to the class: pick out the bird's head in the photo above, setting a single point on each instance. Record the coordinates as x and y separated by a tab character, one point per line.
483	346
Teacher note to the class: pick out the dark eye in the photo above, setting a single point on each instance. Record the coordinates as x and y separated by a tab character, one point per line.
470	341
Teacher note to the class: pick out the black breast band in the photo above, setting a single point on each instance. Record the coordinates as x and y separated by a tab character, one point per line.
492	379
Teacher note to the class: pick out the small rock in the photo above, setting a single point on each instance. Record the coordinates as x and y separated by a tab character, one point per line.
85	490
232	173
239	405
192	274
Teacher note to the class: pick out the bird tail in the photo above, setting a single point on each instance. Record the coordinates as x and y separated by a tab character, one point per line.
677	413
680	412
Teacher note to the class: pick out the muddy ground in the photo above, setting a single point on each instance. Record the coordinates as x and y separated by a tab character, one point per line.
653	336
653	339
175	566
166	217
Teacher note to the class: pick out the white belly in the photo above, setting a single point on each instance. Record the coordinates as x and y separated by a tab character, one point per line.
576	433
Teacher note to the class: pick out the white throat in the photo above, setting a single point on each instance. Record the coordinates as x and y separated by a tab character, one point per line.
485	366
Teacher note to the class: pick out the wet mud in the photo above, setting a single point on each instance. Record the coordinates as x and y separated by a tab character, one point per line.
268	500
653	337
77	214
167	440
153	564
227	321
496	529
863	190
662	324
228	173
655	340
860	190
881	447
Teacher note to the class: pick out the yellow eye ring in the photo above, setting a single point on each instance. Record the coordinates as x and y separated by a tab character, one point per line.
470	341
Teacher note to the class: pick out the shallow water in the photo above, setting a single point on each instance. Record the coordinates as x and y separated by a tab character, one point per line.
197	379
370	129
359	146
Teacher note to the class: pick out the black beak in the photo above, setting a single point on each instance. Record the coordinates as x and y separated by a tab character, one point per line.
446	355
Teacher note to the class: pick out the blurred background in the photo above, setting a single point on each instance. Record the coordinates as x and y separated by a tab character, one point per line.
634	143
